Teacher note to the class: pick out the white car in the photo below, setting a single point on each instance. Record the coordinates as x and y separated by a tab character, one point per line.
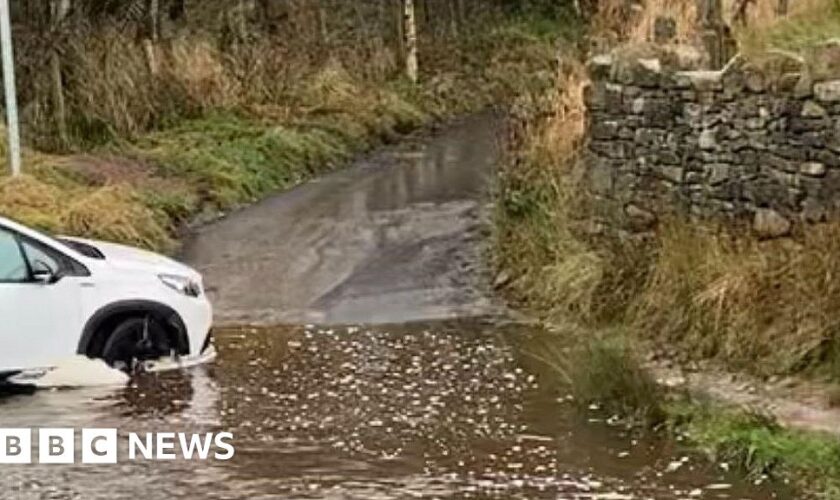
63	297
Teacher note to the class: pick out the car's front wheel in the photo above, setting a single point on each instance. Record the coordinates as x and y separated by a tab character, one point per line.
134	341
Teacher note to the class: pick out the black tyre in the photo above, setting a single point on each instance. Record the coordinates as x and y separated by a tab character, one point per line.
134	341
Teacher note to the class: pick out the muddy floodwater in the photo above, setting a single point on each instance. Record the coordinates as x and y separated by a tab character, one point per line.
437	396
445	410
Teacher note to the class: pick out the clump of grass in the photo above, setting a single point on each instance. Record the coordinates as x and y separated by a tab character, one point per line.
31	201
607	371
763	306
759	446
603	369
114	213
538	194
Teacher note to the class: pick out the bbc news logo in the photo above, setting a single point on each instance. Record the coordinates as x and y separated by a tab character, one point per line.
102	446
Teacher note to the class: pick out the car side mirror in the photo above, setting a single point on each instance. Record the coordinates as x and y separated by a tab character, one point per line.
43	273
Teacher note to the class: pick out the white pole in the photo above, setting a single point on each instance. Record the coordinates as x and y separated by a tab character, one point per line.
9	86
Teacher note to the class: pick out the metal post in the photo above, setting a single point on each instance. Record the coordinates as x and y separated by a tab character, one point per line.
9	86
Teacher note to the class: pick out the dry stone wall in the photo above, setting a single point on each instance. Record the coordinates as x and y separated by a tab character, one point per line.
758	140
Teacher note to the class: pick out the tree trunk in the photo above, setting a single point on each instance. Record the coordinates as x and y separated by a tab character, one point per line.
244	9
59	10
399	28
782	7
453	17
152	32
410	19
323	26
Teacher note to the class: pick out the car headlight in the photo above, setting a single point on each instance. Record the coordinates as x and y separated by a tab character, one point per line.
182	284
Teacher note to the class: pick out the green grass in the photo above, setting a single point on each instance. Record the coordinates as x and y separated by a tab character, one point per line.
604	368
758	446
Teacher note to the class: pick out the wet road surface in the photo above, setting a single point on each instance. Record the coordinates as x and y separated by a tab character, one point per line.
391	239
430	409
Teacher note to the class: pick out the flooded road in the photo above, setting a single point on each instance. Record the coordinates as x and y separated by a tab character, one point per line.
414	405
444	410
393	238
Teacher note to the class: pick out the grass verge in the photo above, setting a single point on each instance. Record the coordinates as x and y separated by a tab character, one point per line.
759	447
606	370
699	291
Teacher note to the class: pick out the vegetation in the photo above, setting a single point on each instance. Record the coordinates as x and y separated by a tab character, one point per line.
700	291
705	290
760	447
810	22
605	372
154	112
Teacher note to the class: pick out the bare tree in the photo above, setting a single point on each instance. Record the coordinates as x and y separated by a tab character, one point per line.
59	10
410	20
151	34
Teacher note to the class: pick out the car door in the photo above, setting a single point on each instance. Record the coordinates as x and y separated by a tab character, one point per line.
40	321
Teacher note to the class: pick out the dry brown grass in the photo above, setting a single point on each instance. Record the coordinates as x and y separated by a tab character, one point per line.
114	213
767	307
539	195
618	21
808	22
711	292
683	12
31	201
110	212
762	14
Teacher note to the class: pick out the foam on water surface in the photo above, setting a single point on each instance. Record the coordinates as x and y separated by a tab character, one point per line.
75	372
81	372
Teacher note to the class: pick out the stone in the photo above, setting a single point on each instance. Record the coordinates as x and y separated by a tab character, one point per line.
755	81
701	80
604	129
788	82
813	110
812	169
707	140
649	136
669	141
804	87
769	223
827	91
671	173
642	72
829	158
600	66
638	105
718	173
813	211
640	219
600	178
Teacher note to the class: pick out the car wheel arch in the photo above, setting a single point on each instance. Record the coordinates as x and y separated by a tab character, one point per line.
96	330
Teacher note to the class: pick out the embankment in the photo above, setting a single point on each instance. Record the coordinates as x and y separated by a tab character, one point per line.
693	214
